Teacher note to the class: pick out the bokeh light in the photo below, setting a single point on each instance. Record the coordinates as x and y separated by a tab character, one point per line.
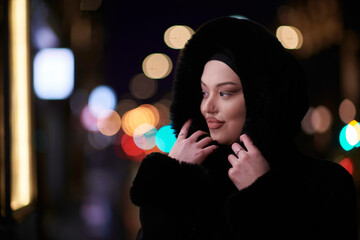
119	151
154	113
98	140
165	138
154	149
306	124
321	119
44	37
88	121
54	73
144	136
353	133
290	37
347	111
166	102
348	165
164	114
109	122
157	66
102	98
126	105
97	216
239	17
142	87
343	141
135	117
80	34
132	151
177	36
350	136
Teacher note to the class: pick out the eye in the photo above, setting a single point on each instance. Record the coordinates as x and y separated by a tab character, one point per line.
224	94
204	94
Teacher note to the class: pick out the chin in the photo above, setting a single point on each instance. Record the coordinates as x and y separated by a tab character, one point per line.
222	141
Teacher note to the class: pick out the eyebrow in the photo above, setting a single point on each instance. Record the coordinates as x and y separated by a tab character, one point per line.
223	83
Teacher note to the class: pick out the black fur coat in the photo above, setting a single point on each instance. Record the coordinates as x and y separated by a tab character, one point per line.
299	198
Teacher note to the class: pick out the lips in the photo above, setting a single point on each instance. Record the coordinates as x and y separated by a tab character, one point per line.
213	123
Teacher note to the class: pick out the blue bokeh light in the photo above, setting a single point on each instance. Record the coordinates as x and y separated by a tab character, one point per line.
100	99
165	138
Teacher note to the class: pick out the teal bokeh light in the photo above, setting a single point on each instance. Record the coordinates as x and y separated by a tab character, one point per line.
165	138
343	141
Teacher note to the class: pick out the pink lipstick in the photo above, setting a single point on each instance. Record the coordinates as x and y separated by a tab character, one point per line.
213	123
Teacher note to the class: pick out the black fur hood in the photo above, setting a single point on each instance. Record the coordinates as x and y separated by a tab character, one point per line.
273	82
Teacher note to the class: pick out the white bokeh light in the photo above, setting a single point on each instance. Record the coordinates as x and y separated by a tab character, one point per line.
351	135
54	73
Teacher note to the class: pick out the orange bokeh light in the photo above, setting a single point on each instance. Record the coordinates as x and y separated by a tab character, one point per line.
141	115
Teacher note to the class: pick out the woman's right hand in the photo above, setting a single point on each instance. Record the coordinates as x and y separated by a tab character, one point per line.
188	149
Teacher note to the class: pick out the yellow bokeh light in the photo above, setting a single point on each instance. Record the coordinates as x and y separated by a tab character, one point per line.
135	117
109	122
142	87
157	66
290	37
321	119
154	112
177	36
347	111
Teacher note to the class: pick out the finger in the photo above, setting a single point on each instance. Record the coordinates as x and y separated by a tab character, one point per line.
185	129
232	159
197	134
204	142
236	148
230	173
248	143
210	149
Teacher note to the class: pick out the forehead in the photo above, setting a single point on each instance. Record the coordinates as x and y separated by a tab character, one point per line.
216	71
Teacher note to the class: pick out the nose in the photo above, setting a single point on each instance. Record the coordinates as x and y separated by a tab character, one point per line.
209	105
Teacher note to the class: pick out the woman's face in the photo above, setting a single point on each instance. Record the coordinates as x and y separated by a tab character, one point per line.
223	104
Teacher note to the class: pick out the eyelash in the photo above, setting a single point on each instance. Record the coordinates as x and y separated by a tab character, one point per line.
222	94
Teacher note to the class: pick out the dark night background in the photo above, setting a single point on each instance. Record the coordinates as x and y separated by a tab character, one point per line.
83	191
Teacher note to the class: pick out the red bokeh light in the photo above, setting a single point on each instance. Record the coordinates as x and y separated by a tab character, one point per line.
348	165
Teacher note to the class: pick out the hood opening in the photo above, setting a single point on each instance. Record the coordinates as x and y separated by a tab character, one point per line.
274	84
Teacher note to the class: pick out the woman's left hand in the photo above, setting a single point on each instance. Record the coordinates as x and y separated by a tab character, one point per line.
247	166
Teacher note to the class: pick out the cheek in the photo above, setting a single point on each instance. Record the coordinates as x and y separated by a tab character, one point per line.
235	112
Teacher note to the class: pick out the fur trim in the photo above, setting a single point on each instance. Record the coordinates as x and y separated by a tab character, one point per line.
162	180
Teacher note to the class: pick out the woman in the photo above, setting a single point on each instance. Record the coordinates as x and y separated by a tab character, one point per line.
234	171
